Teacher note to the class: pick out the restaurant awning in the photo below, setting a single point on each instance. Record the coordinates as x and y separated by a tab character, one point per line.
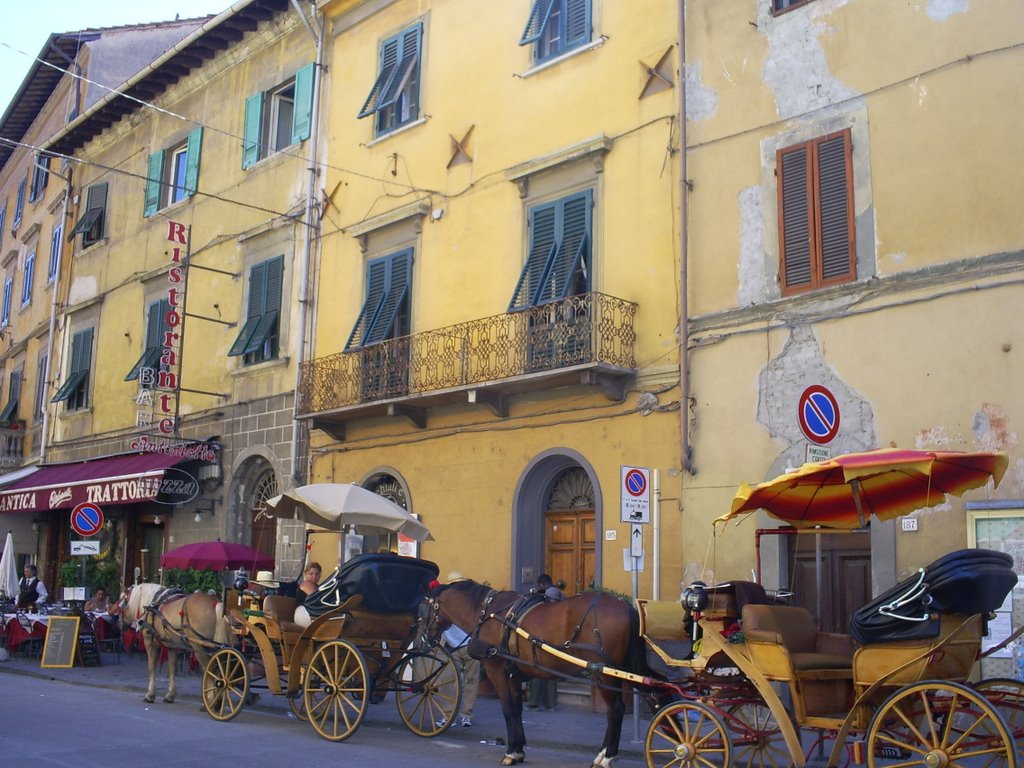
123	479
17	474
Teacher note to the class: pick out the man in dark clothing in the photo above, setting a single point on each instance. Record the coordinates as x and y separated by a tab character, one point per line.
31	590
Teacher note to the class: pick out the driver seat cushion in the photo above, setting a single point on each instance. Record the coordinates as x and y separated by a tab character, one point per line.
793	628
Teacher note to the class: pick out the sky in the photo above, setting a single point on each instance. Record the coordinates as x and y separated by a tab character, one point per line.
28	24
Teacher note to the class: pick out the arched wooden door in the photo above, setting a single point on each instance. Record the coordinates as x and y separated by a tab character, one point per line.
264	526
570	532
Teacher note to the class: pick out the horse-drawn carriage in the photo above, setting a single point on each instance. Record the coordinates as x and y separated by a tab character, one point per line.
365	640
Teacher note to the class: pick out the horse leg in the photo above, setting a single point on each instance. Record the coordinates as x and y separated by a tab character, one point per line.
613	729
172	672
511	697
151	657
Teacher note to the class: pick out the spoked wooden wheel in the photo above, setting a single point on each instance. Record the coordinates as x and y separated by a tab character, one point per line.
297	704
687	734
939	724
757	740
429	691
225	687
1007	696
335	690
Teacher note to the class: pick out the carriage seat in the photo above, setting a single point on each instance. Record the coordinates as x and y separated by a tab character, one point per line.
793	629
280	610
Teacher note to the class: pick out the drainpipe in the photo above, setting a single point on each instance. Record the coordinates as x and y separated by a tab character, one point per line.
307	243
54	303
684	188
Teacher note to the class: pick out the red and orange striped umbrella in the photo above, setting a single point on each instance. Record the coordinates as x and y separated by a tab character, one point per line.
845	491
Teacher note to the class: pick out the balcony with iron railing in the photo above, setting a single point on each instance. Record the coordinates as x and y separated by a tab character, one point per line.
12	448
585	339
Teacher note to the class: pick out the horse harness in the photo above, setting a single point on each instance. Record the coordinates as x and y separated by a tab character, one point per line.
152	613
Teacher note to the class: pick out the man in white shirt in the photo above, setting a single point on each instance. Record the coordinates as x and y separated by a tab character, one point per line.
31	591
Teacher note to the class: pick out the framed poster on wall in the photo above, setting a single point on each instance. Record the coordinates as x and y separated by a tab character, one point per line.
999	525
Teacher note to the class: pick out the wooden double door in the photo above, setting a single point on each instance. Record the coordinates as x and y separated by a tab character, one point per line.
570	542
845	576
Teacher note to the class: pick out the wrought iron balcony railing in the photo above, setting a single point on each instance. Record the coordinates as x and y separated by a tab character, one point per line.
589	330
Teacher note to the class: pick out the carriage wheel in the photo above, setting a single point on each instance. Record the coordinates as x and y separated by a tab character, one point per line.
297	704
1007	696
687	734
335	690
428	691
756	737
938	724
225	686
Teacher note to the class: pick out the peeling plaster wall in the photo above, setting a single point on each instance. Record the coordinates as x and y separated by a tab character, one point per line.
755	280
701	101
941	10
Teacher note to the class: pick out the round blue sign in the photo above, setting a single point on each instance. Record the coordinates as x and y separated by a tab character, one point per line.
87	519
818	413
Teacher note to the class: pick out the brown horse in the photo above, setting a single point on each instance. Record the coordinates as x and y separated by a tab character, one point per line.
176	621
596	627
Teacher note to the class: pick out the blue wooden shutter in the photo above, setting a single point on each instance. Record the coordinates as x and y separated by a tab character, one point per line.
395	296
573	232
577	23
154	174
542	247
302	113
835	208
795	213
376	283
409	60
389	53
192	153
539	15
253	129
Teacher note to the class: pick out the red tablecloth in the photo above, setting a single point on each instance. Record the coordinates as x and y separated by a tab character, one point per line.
17	633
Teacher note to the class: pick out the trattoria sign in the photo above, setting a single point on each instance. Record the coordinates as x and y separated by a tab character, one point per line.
110	491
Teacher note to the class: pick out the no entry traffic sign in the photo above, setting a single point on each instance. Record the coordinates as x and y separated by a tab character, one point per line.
818	413
636	495
87	519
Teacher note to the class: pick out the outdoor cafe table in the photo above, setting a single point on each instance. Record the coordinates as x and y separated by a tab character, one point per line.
23	628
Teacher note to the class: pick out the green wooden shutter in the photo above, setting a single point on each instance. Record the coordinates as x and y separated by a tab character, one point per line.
539	15
573	232
154	174
396	293
193	152
376	282
577	23
253	130
795	204
264	329
84	351
97	205
389	52
257	300
409	60
303	110
542	247
835	209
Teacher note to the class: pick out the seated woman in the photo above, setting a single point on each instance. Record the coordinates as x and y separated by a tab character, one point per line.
310	581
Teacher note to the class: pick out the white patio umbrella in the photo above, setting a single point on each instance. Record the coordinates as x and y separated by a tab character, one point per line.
333	505
8	569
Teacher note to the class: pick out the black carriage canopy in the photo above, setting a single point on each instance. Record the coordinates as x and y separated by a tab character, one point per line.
389	583
968	581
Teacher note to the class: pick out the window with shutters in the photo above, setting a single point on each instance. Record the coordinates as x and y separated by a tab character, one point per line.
28	279
259	339
55	247
19	205
172	174
778	6
40	404
74	390
278	118
10	411
3	220
40	176
156	327
5	310
555	27
383	326
816	222
394	99
92	224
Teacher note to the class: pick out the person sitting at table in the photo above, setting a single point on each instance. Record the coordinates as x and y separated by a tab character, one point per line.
31	591
98	603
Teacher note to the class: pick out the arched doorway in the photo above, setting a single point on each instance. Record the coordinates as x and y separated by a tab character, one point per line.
570	532
261	486
557	517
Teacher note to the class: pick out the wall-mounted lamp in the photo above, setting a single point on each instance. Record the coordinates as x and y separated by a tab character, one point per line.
156	519
200	511
35	526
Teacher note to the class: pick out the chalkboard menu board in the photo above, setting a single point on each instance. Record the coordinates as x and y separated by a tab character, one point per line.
88	651
61	641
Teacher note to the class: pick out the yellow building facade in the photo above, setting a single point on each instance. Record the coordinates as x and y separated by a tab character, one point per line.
497	299
852	227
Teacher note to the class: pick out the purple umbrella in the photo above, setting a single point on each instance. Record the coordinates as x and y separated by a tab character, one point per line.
216	556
